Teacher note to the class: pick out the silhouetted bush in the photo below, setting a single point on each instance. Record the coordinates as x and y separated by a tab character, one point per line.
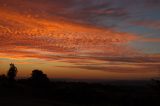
3	79
38	78
156	86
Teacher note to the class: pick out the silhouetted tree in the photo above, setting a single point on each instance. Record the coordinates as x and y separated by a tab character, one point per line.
12	72
38	78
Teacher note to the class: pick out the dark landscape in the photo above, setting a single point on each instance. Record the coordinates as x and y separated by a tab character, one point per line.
38	90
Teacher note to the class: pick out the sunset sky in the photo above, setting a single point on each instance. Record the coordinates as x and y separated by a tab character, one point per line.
81	39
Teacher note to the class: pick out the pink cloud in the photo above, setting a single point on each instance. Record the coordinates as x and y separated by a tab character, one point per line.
148	23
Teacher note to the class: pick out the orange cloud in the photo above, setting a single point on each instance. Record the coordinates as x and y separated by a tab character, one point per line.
28	36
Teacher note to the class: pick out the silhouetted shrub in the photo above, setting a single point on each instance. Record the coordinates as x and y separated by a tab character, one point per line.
156	85
38	78
3	79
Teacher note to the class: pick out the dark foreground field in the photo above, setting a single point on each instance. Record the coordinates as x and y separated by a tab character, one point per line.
26	93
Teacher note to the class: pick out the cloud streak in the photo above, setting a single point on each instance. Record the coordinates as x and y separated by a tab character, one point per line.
21	32
148	23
